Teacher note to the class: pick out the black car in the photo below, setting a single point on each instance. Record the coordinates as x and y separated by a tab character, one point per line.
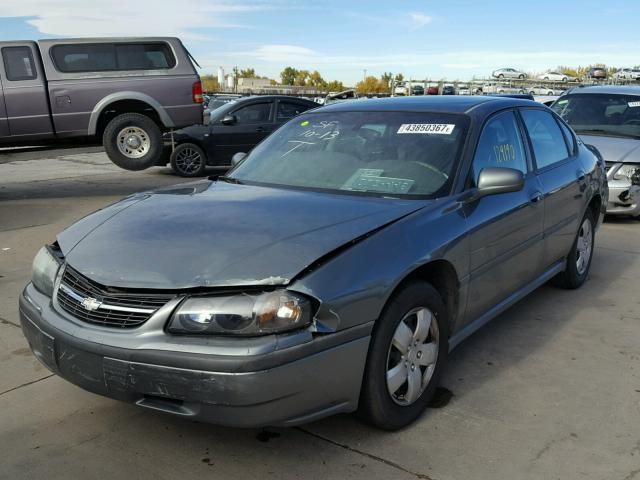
448	90
417	90
237	126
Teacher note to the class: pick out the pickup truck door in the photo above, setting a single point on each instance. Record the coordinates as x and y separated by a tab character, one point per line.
25	95
4	123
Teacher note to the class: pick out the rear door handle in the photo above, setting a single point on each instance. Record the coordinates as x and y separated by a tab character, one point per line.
259	129
581	175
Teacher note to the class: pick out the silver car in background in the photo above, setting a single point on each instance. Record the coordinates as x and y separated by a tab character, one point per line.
553	76
509	73
608	117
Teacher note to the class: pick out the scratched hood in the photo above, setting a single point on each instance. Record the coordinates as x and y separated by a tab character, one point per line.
615	149
218	234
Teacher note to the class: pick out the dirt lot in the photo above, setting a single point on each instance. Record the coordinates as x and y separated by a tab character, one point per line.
550	389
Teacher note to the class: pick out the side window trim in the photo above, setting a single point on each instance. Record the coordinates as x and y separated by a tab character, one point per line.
32	63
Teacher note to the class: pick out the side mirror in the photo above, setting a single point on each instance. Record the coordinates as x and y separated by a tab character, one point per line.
499	180
228	120
237	158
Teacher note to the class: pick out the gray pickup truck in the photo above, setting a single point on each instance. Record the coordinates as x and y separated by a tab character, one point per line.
126	91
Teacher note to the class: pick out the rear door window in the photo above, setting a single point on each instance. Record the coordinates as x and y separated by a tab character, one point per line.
288	110
256	113
18	63
548	142
103	57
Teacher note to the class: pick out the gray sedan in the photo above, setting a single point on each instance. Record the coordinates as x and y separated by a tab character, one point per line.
332	270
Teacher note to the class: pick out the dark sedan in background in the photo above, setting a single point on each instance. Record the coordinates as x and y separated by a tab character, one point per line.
332	269
236	126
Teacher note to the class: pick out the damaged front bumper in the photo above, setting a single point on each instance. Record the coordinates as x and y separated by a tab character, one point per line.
624	198
274	380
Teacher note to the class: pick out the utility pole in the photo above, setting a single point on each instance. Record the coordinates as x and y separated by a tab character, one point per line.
365	75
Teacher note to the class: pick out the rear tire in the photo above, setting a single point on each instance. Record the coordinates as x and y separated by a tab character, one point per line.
133	141
579	258
188	160
419	365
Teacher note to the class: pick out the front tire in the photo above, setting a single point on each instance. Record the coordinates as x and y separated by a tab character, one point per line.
579	258
188	160
408	350
133	141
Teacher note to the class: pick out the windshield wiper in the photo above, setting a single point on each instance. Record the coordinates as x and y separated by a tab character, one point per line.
608	133
224	178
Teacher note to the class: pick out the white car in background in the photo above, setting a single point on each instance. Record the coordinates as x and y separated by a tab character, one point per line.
554	76
627	74
509	73
542	90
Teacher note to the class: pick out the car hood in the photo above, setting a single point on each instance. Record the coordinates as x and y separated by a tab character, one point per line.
615	149
210	234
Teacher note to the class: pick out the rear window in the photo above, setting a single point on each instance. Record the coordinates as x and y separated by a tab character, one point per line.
105	57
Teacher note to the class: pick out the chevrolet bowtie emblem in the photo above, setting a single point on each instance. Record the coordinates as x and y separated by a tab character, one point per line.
91	304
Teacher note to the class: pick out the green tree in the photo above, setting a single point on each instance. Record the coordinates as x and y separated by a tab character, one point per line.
248	73
316	79
210	83
335	86
288	76
399	77
301	78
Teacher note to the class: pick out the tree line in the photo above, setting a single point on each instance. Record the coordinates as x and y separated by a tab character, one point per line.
288	76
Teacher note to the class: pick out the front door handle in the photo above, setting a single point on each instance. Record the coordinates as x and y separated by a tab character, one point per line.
536	198
260	129
581	175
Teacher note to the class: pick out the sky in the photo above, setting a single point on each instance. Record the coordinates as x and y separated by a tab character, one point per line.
452	39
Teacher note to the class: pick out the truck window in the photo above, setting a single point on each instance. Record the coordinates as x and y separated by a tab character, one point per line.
104	57
18	63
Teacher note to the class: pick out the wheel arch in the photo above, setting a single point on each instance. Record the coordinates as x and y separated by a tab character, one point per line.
127	102
442	275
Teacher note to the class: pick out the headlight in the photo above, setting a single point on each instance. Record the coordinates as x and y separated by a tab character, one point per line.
627	172
242	314
45	268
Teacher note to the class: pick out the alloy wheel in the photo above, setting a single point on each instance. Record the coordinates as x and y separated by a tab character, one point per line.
584	246
412	356
188	161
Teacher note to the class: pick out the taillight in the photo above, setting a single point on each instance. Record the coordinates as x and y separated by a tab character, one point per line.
196	91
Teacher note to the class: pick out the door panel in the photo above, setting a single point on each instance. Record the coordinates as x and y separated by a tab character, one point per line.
505	230
562	180
564	200
25	92
254	123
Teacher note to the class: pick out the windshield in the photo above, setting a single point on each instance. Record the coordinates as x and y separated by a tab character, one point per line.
601	114
399	154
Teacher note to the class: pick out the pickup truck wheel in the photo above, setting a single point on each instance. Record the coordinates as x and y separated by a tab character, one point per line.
133	141
406	357
188	160
579	258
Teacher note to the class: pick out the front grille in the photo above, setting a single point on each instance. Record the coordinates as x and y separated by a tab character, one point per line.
91	302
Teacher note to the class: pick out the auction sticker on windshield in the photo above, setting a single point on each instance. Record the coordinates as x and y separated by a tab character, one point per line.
431	128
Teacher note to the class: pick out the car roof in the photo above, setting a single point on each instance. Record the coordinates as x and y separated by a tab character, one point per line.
440	104
608	89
